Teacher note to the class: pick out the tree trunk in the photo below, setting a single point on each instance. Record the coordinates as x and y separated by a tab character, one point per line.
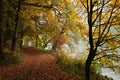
21	39
91	42
21	42
36	45
45	44
88	65
1	30
89	62
87	69
14	39
54	47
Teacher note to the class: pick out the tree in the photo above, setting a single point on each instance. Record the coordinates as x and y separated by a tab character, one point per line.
18	22
1	29
14	39
101	18
38	13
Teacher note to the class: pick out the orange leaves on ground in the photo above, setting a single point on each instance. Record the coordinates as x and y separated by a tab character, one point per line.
36	66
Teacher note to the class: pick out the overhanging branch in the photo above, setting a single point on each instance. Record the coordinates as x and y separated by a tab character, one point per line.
109	56
38	5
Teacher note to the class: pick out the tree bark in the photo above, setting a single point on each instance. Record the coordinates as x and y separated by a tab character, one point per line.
89	60
87	69
1	30
91	42
21	39
88	65
21	42
36	45
14	39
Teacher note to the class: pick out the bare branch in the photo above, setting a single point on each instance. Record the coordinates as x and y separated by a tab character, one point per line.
38	5
83	4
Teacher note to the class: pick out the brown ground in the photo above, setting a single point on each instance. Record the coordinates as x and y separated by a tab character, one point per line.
36	66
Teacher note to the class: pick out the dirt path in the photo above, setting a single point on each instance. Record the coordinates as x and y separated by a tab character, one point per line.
36	66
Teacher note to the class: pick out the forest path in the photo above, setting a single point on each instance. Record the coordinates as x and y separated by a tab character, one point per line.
36	66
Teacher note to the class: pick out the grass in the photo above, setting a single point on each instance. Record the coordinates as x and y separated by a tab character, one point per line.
44	51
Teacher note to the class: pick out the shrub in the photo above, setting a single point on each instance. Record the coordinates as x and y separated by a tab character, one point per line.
44	50
75	66
12	58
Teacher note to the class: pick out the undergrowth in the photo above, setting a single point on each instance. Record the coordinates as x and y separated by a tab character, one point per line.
44	51
76	65
12	58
